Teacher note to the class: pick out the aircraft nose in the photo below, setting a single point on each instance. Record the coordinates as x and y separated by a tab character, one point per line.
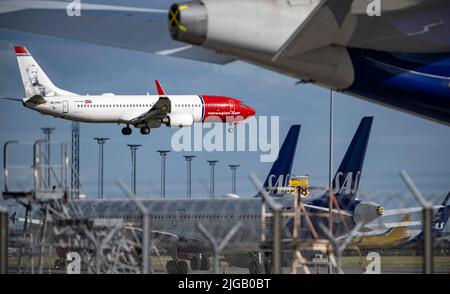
251	111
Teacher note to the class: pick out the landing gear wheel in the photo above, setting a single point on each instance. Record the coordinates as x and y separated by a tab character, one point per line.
177	268
204	264
182	267
171	267
145	130
267	263
268	266
126	131
60	263
195	263
254	268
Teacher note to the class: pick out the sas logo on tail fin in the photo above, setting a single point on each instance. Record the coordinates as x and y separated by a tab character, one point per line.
439	226
346	183
274	183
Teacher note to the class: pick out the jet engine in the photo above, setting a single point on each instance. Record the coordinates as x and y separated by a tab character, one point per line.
244	28
180	120
366	211
234	23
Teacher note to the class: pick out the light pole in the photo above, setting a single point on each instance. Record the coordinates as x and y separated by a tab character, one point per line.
133	148
330	163
233	178
188	161
163	154
330	147
75	168
212	163
101	142
47	132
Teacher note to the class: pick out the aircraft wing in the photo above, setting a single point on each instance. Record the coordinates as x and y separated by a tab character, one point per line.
165	239
345	23
406	210
137	28
159	110
315	208
144	28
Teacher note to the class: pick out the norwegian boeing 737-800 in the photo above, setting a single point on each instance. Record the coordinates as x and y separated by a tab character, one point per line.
141	111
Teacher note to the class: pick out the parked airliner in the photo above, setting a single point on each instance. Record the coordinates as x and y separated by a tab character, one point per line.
141	111
174	220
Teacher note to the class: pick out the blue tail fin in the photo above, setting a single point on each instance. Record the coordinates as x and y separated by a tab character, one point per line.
281	168
439	220
441	217
346	180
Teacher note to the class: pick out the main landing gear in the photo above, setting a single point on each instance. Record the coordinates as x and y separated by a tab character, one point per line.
200	263
177	267
127	131
145	130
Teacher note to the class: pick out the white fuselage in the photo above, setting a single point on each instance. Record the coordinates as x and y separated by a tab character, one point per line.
180	217
110	108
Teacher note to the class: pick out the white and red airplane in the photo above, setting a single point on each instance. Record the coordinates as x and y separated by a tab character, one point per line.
141	111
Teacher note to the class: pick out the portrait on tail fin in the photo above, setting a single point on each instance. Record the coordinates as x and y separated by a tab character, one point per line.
35	87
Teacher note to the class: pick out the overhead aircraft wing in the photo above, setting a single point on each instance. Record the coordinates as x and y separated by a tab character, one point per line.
346	23
137	28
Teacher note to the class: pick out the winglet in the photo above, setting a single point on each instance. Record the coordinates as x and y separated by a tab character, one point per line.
444	203
21	50
159	88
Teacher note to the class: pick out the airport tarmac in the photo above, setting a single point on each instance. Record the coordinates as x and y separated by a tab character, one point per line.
350	265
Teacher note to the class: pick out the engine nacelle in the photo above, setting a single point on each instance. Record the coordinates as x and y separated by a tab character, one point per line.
180	120
256	31
366	211
234	22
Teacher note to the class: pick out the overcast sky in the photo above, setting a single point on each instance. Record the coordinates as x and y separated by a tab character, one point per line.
398	141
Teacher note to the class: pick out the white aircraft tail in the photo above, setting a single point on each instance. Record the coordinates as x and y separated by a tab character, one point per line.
35	81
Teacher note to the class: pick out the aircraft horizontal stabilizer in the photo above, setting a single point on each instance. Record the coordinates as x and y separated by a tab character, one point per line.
36	99
11	99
